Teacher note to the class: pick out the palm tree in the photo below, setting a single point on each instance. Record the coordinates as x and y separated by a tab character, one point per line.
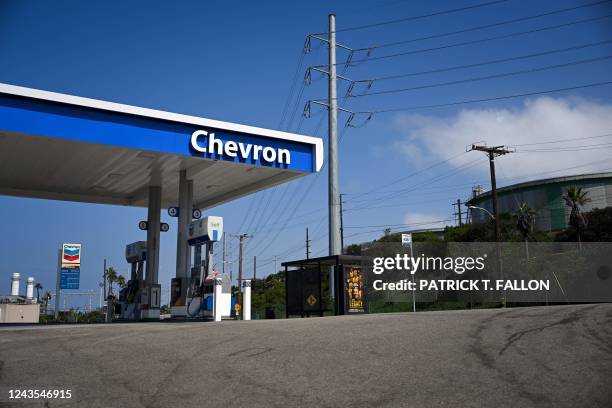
38	288
111	277
574	198
46	299
524	223
121	281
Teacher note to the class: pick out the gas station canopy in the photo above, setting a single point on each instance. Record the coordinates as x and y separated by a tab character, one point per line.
56	146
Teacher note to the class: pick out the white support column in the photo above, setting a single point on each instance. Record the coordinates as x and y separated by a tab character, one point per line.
154	220
217	299
246	299
183	250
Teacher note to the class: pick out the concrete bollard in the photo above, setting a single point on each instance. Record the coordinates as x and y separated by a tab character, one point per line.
217	299
246	299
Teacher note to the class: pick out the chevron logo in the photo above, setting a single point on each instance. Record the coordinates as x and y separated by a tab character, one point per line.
71	253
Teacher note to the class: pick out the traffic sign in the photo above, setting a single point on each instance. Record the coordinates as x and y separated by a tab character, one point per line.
173	211
163	227
143	225
196	214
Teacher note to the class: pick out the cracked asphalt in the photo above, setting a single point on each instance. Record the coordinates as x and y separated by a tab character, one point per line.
558	356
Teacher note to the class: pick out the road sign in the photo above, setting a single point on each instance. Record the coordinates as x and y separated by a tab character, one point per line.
69	278
173	211
311	300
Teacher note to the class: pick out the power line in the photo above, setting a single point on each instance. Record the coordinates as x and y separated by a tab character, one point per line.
487	77
483	63
562	140
491	25
422	16
477	41
497	98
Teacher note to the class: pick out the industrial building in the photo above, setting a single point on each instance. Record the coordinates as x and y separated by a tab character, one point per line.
545	196
16	308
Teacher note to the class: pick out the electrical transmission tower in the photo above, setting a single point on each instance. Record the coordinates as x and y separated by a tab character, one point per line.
335	238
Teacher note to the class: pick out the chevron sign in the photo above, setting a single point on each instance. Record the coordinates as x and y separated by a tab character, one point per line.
71	255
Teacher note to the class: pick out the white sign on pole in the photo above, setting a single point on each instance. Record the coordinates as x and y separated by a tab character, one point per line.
406	240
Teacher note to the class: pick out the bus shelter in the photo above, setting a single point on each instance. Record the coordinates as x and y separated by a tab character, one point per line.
307	286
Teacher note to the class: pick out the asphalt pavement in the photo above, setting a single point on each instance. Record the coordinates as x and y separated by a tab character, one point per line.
557	356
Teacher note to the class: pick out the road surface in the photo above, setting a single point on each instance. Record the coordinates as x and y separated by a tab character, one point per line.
558	356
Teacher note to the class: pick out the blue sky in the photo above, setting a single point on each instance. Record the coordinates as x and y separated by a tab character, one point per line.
236	61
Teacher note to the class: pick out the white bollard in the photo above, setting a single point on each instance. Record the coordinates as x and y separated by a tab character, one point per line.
217	299
246	299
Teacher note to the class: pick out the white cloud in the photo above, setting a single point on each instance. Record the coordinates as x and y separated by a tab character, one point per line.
540	120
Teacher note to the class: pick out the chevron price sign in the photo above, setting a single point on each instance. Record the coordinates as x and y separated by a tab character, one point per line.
70	272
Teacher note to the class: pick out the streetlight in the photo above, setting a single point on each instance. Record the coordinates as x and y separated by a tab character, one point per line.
473	207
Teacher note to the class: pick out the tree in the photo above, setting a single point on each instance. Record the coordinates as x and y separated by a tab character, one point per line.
525	218
121	281
46	299
574	198
38	288
111	277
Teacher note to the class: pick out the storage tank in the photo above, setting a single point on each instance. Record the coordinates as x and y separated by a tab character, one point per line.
30	288
15	284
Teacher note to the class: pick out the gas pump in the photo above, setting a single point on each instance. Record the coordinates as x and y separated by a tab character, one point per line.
139	300
209	292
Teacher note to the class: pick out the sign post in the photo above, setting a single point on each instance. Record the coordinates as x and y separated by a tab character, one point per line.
407	242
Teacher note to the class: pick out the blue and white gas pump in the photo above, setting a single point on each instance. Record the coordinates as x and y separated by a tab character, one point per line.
209	292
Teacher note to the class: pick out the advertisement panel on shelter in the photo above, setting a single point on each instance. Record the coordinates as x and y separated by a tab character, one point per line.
354	294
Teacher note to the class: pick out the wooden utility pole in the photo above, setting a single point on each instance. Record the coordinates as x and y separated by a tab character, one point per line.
492	153
459	214
307	245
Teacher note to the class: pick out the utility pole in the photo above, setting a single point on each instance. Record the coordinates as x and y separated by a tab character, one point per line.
241	239
223	263
254	267
492	153
341	226
334	208
459	214
104	301
307	245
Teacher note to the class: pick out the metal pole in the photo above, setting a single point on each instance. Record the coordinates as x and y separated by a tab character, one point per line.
241	240
57	283
341	227
334	210
223	263
413	284
254	267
